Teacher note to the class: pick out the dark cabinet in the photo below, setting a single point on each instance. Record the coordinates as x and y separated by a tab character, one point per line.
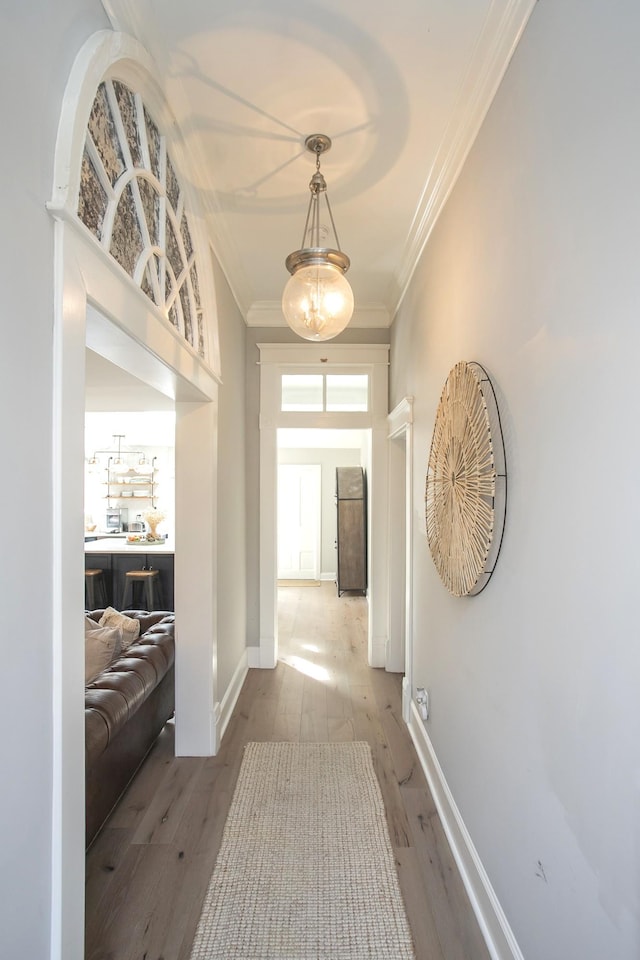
351	541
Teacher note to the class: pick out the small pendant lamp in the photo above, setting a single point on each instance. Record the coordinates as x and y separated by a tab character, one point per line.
317	301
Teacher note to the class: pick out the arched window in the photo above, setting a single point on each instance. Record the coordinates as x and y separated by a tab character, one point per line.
132	202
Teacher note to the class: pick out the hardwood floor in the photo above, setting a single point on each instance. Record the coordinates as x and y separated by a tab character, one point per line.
148	870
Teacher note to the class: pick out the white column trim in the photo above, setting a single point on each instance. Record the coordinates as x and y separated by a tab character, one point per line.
84	274
400	421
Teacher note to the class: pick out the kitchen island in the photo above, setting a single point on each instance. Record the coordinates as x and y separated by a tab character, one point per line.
115	556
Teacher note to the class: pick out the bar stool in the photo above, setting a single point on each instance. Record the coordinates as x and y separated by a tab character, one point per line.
151	589
95	594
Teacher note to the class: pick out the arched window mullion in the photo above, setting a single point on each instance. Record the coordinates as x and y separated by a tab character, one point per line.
163	217
178	306
133	202
148	259
180	209
194	311
142	134
111	199
112	100
98	166
175	223
145	257
174	291
173	303
142	216
116	191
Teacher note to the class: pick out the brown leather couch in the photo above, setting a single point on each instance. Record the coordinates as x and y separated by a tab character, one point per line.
126	707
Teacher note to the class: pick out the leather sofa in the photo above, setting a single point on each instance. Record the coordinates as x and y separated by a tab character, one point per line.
126	707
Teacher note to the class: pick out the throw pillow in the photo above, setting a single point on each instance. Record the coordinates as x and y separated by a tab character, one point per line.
129	625
101	646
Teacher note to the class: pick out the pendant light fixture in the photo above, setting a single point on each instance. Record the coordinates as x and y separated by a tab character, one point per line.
118	465
317	301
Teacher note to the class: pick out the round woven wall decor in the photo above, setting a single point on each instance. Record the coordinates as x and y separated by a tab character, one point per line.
466	487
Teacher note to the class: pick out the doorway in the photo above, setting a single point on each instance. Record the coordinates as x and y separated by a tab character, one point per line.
299	488
282	368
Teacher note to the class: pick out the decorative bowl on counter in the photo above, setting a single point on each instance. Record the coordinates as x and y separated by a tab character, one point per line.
138	539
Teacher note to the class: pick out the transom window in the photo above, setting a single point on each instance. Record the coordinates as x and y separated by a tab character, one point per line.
132	201
331	393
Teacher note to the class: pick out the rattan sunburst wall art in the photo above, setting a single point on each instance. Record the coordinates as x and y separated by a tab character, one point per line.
466	487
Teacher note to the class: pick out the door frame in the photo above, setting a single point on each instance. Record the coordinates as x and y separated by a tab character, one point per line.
279	358
400	424
95	300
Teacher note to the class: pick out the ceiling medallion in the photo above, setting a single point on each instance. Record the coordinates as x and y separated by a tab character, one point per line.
466	486
317	301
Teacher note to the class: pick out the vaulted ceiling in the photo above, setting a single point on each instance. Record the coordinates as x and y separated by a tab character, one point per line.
401	88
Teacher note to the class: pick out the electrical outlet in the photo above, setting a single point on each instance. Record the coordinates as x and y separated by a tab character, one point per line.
422	699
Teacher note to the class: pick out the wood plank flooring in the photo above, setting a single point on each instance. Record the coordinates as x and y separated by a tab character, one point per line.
148	870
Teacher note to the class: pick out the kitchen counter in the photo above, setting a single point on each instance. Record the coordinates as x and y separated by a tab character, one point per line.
120	545
115	557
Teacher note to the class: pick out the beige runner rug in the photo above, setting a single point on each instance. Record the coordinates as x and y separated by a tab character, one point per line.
305	869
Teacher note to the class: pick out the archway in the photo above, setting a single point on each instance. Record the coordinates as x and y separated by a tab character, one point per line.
123	310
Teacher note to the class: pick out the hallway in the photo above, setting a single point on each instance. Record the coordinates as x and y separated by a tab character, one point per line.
148	871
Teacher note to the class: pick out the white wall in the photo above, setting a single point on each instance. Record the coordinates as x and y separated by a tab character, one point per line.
42	40
533	271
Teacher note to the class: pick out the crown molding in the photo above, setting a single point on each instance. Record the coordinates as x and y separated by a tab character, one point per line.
268	313
503	27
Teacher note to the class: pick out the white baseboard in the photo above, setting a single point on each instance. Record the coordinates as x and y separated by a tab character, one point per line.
253	657
406	699
263	657
378	652
224	708
328	576
501	942
393	656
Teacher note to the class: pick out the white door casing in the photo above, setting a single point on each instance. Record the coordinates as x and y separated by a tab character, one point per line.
400	440
276	359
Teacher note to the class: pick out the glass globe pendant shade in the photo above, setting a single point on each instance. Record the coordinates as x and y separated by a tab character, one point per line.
317	301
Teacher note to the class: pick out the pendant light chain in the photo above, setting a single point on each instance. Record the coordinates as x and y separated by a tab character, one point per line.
335	232
318	185
317	302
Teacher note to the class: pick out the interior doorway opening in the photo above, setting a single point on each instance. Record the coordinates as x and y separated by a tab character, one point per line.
307	519
299	521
